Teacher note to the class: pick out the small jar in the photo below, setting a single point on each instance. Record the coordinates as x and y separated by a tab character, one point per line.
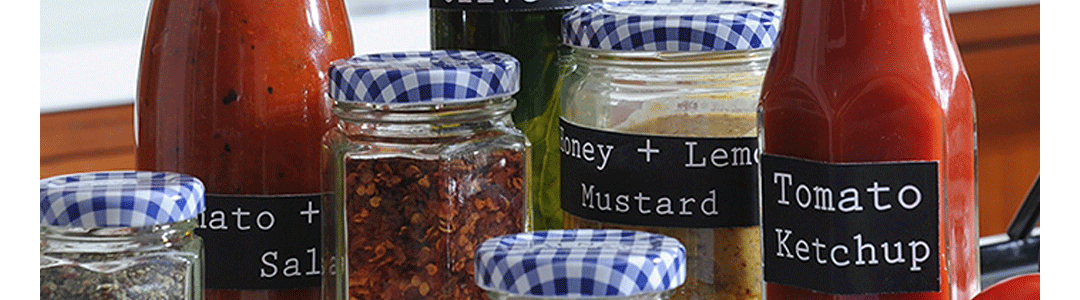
581	264
121	235
423	165
659	127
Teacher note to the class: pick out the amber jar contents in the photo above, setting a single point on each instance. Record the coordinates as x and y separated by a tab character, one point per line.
870	83
232	92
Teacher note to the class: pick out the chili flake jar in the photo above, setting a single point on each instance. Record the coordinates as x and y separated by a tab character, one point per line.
581	264
121	235
424	164
659	126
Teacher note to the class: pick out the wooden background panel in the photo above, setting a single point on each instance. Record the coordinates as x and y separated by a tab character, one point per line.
88	140
1000	49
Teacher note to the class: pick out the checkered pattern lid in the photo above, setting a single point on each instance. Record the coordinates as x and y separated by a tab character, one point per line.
120	199
426	76
580	263
673	25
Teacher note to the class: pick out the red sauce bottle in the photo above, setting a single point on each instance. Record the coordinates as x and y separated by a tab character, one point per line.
866	82
232	92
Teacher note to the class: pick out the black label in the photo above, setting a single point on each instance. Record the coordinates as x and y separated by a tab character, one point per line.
513	5
262	242
866	228
653	180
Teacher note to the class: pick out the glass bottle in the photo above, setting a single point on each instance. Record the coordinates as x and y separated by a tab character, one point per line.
664	139
868	101
529	31
231	92
424	164
121	235
581	264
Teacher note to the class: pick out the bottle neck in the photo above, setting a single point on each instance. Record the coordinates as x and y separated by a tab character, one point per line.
874	25
833	44
424	120
116	239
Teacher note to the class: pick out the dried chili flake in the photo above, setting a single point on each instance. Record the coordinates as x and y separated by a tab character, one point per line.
415	222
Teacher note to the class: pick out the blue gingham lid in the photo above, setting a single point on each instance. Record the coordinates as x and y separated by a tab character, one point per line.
120	199
673	25
580	263
424	76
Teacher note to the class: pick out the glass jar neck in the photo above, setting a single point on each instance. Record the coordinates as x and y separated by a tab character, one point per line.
424	120
116	239
685	60
655	71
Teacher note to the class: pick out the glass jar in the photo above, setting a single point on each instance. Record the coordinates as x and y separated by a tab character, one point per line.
424	164
121	235
658	130
581	264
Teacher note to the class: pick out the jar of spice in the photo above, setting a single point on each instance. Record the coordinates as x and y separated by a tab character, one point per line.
424	164
580	264
658	130
121	235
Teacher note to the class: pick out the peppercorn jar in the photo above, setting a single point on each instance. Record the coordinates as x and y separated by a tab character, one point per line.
424	164
658	130
121	235
581	264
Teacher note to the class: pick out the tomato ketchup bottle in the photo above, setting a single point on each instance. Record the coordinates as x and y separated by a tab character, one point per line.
868	172
232	92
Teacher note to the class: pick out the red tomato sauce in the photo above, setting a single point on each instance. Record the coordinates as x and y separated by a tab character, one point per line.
231	91
874	81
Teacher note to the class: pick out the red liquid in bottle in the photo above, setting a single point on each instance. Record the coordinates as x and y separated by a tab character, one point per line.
878	81
231	91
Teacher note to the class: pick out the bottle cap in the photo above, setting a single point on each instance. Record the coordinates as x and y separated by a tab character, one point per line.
425	76
580	263
676	25
120	199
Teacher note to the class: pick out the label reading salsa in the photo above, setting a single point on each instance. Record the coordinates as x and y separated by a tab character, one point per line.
262	242
850	228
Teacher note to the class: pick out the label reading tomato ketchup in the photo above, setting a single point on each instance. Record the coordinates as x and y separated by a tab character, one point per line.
851	228
262	242
651	180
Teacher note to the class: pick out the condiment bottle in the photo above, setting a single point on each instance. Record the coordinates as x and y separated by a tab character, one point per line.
659	130
868	174
232	92
121	235
581	264
424	164
529	31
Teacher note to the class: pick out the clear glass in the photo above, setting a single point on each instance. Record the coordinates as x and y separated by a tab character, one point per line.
643	296
414	190
154	262
698	94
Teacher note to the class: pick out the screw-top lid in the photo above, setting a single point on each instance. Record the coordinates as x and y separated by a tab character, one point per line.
580	263
426	76
120	199
674	25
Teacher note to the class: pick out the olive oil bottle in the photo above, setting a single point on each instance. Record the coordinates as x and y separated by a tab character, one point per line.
530	31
